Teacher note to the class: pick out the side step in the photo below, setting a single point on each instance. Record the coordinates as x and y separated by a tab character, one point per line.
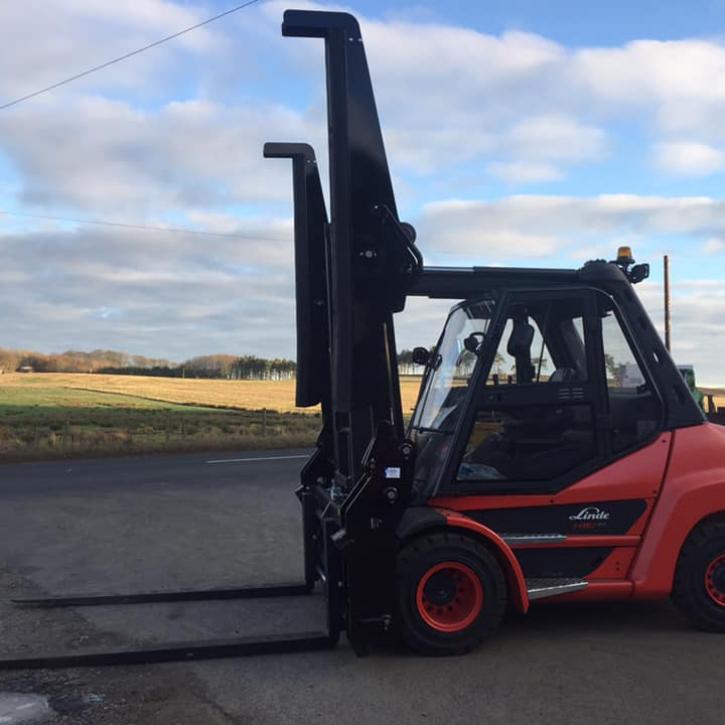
521	539
543	588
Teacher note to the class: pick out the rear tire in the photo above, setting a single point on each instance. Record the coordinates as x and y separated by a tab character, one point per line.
451	592
699	590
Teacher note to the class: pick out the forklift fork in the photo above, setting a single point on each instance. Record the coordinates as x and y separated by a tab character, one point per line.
180	595
317	526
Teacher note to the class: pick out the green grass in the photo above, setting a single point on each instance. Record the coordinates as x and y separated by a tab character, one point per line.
44	421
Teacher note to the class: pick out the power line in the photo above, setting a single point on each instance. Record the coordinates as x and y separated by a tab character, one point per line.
146	227
126	56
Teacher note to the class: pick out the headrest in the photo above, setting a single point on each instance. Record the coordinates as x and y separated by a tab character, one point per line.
522	336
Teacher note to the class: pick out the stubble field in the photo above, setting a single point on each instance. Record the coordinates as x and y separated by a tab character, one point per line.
51	415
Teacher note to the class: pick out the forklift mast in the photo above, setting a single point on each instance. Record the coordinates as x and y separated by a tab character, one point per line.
359	270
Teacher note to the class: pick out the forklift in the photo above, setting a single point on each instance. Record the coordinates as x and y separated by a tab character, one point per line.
554	453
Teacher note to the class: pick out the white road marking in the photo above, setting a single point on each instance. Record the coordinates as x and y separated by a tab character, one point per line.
250	460
23	708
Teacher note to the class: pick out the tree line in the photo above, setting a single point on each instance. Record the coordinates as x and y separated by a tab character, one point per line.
73	361
227	367
232	367
406	366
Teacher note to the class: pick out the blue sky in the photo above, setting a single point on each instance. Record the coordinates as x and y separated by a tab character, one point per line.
540	134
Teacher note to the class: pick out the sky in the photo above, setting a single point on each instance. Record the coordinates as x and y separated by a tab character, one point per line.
517	132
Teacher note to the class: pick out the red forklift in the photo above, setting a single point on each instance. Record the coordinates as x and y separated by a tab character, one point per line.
555	452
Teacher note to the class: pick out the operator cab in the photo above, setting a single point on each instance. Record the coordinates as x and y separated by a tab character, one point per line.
527	390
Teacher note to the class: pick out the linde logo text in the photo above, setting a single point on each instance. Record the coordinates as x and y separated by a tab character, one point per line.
591	513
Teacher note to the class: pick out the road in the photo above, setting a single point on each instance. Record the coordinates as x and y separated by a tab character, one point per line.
156	522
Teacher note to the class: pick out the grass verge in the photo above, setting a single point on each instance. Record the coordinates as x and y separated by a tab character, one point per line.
50	423
57	415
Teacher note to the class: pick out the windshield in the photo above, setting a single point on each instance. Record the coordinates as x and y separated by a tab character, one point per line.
453	362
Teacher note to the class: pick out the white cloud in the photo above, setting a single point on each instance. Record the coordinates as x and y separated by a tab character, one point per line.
689	158
653	68
714	246
176	293
523	172
653	72
698	319
528	227
553	101
517	105
47	40
106	155
556	137
479	231
541	146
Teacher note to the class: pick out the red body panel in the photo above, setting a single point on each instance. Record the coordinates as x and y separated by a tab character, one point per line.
694	489
638	476
680	476
615	566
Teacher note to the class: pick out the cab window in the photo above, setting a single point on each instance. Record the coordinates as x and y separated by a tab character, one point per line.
634	409
534	420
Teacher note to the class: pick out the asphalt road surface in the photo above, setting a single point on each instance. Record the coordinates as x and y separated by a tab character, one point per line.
185	521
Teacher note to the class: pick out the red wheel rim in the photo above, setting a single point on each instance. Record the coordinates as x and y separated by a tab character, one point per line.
449	596
715	580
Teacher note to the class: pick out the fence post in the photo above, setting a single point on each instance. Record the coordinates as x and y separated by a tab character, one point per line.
264	423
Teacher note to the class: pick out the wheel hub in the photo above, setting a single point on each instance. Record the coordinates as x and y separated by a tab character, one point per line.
449	596
715	580
441	589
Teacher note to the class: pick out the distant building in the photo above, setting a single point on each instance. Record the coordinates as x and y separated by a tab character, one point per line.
26	369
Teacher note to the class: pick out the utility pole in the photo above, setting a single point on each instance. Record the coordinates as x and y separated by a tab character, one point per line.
668	305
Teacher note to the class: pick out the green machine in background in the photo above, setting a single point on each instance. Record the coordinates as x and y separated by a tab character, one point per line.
688	373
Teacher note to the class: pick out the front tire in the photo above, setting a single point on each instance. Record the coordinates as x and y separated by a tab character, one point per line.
699	590
452	593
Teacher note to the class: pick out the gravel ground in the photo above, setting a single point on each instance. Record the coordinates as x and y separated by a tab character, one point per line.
180	521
